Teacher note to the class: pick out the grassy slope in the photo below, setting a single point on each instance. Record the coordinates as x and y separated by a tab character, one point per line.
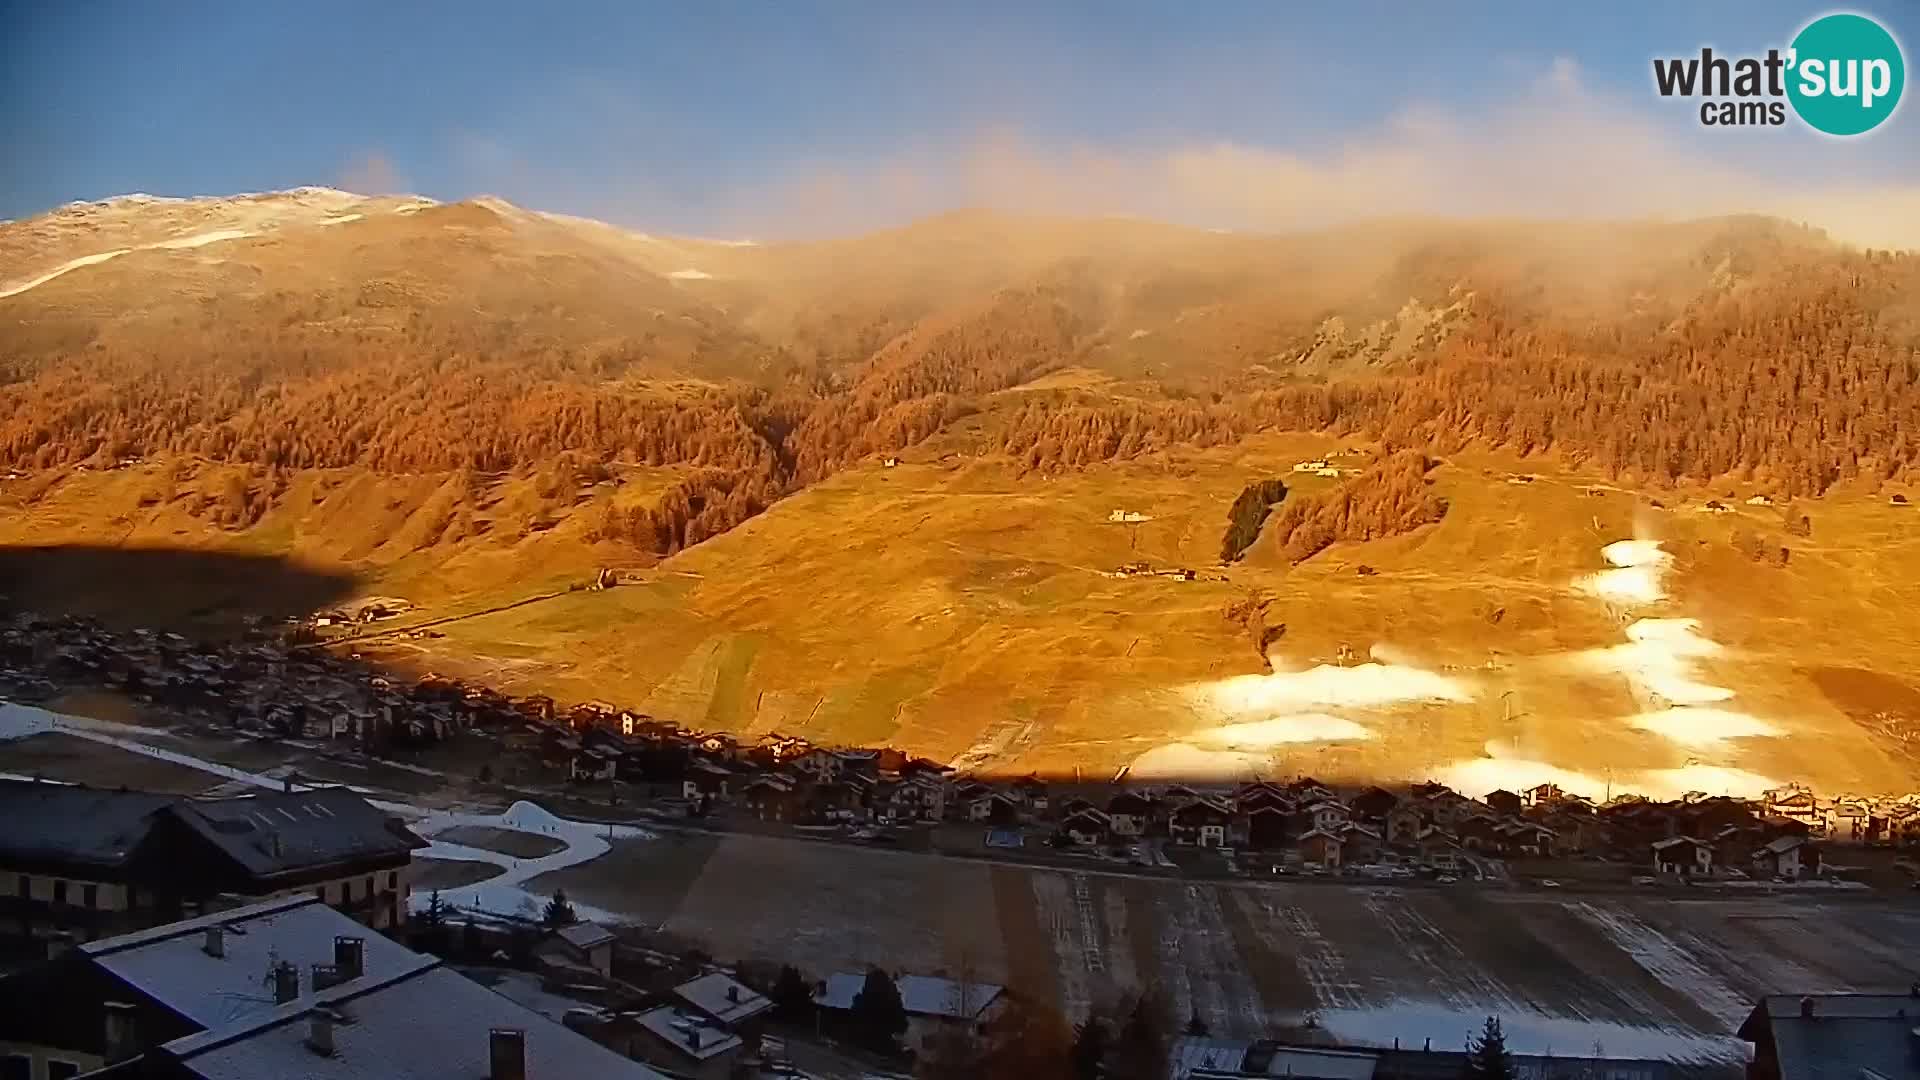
951	603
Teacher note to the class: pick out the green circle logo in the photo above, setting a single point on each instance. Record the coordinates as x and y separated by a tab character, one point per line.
1846	74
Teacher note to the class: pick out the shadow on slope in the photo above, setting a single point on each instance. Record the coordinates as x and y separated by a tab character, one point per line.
192	590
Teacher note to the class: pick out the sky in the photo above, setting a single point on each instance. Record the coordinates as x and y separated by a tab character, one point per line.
725	118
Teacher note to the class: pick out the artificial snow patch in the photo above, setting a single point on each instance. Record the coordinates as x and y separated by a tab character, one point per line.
1638	574
1702	729
1501	769
1658	661
690	275
341	220
65	267
1185	761
205	238
1295	728
1698	776
1360	686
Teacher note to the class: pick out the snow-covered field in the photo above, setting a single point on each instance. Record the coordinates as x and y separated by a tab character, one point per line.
505	894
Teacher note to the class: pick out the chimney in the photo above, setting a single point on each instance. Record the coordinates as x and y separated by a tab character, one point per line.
1913	991
286	982
286	783
506	1054
693	1036
120	1032
1806	1008
216	943
349	955
325	977
320	1032
273	843
733	994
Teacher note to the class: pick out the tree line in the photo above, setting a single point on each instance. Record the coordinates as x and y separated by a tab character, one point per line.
1804	376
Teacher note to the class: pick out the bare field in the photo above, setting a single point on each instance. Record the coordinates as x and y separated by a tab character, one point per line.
448	874
78	761
520	845
1640	974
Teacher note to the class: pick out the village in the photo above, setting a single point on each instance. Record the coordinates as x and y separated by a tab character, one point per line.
623	762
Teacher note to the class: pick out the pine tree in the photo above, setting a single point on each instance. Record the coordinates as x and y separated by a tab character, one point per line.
559	911
435	916
1088	1057
792	998
1487	1058
879	1016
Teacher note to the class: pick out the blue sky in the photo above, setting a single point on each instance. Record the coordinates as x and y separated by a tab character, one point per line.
724	116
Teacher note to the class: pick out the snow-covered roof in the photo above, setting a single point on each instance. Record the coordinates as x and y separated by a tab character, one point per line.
723	997
585	935
425	1026
690	1033
921	995
1237	1057
171	964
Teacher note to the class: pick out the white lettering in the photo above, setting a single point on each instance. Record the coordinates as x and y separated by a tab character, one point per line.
1843	88
1813	77
1878	80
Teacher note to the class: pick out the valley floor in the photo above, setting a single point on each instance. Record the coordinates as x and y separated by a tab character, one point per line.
1637	975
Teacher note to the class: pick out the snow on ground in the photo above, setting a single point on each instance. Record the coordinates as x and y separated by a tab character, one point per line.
1660	659
1702	729
1185	761
1295	728
1638	574
71	264
205	238
341	220
1669	962
1698	776
690	275
1366	685
1501	769
1527	1032
503	894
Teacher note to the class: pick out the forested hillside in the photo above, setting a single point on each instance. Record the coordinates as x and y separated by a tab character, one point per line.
486	339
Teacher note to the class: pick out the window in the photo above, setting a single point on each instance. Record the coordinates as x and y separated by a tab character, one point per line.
62	1070
89	896
16	1067
59	892
26	885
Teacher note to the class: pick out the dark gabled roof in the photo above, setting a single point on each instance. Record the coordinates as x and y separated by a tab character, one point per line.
1848	1037
70	823
276	833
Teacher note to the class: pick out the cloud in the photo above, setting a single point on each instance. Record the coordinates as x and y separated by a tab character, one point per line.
372	173
1556	149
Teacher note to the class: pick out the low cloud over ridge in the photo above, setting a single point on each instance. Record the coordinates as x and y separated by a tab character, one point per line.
1557	149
